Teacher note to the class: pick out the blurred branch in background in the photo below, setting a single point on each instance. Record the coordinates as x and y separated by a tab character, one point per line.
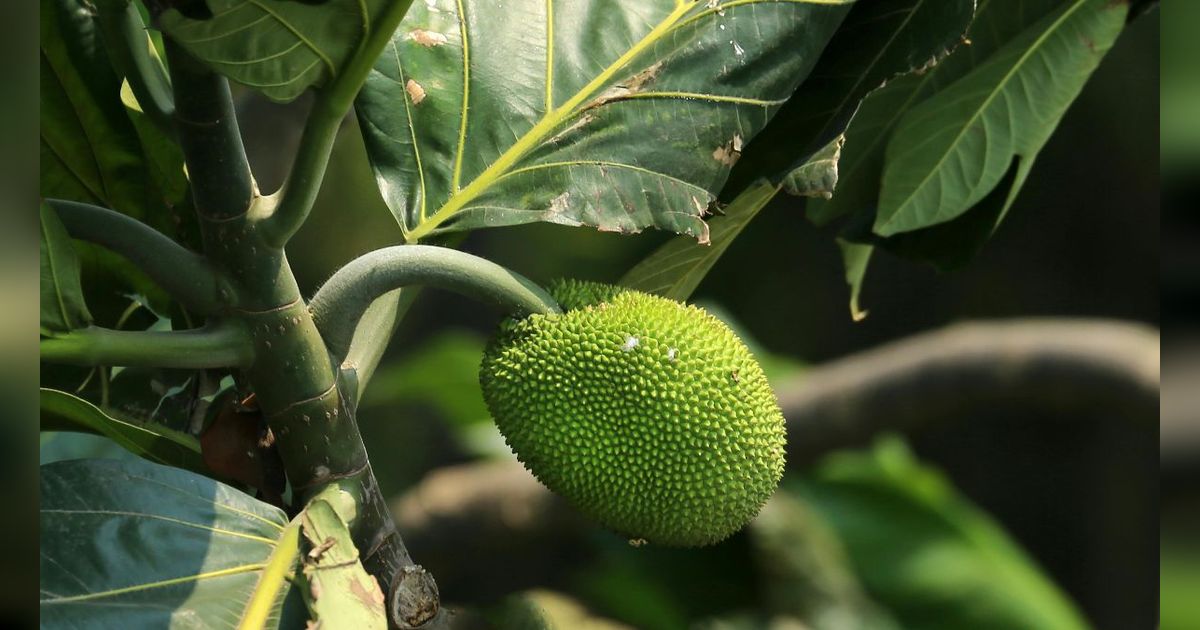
913	384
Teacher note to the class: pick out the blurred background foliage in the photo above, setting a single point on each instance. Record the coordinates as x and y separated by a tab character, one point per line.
1010	518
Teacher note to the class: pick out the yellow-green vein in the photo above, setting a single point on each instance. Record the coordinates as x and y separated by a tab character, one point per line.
539	131
272	580
245	568
466	100
156	517
288	25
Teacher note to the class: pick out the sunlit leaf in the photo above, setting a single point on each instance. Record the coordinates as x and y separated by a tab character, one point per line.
617	114
338	591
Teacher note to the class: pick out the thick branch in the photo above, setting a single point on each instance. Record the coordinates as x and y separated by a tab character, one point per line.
218	170
308	169
340	303
1075	365
127	45
221	346
185	275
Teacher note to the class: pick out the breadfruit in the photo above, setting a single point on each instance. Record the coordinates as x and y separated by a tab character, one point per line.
648	415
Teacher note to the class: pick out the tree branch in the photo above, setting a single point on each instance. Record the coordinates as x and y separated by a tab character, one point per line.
308	169
340	303
1068	364
185	275
219	346
219	173
129	47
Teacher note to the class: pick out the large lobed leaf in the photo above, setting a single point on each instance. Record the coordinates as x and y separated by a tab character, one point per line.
280	47
138	545
618	114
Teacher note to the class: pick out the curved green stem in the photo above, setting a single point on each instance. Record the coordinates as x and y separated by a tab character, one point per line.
340	303
222	345
127	44
186	276
308	169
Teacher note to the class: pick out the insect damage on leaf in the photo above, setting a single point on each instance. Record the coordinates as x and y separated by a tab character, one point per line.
627	88
729	152
415	91
428	39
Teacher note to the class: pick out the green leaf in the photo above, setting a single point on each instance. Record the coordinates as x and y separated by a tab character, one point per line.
618	114
280	47
861	165
62	305
61	411
816	175
91	150
137	545
854	259
932	559
951	150
877	42
675	269
96	148
338	591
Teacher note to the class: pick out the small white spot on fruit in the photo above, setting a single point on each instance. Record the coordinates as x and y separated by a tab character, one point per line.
671	354
631	342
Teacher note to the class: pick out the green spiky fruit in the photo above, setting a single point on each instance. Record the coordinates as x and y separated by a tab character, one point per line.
648	415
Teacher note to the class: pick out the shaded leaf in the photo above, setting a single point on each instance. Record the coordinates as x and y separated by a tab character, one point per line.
675	269
61	411
62	304
855	258
96	149
877	42
996	23
133	544
337	590
951	150
280	47
618	114
817	175
939	562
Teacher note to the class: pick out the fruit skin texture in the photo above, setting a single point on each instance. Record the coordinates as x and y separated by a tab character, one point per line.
648	415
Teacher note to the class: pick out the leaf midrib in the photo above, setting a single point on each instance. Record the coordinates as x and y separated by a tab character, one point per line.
1001	87
550	121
